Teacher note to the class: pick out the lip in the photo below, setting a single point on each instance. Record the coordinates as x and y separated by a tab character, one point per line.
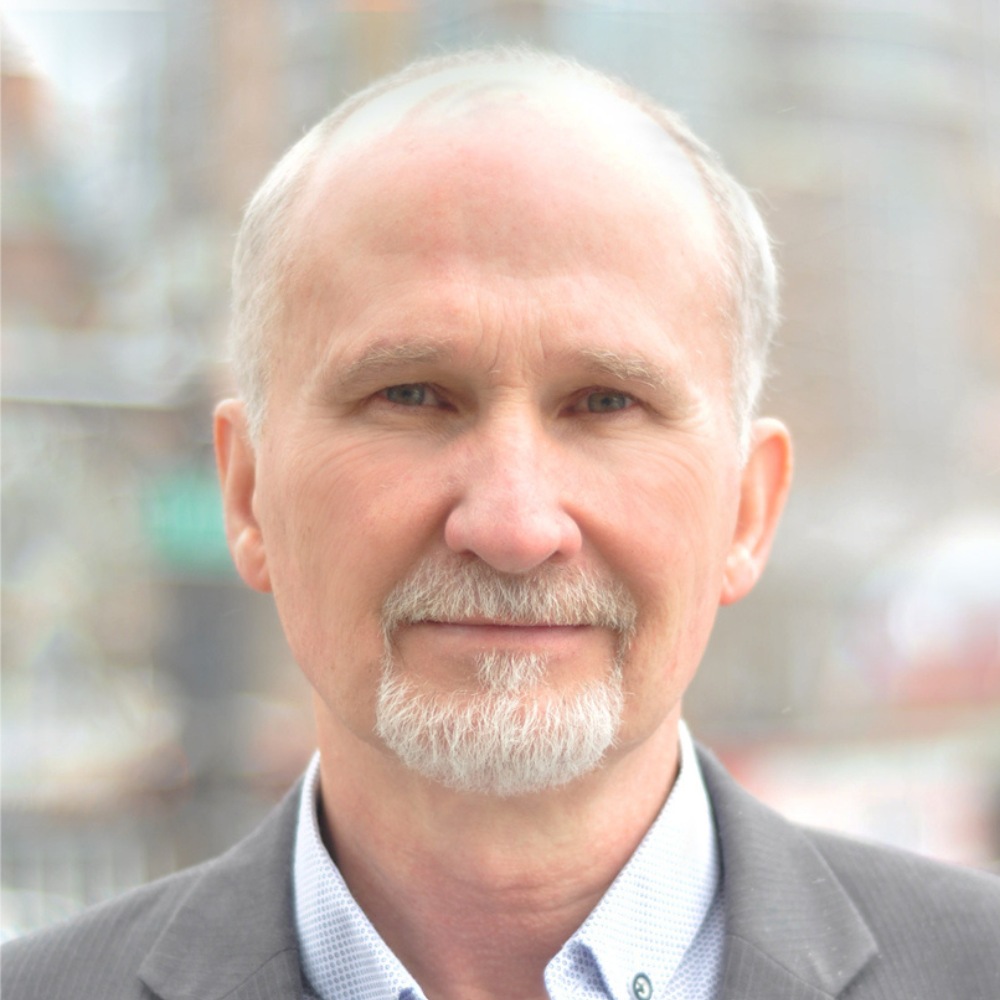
487	633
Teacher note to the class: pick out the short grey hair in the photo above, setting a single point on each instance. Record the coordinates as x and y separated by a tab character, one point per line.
266	246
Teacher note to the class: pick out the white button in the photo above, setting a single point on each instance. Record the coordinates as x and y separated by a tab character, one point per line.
642	988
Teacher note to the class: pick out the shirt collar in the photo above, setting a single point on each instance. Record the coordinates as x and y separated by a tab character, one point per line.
343	956
640	931
642	927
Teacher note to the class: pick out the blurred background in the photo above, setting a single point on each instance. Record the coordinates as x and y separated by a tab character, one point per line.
151	713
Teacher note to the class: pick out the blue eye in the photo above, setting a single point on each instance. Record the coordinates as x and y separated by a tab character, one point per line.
406	395
607	401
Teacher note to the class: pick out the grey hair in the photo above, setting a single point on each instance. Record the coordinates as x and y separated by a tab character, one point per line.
265	255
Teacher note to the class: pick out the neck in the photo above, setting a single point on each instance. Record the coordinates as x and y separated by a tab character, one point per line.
475	894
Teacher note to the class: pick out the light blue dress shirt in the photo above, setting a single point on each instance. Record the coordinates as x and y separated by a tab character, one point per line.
656	934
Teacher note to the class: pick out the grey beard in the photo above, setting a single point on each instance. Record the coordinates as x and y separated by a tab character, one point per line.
510	734
505	742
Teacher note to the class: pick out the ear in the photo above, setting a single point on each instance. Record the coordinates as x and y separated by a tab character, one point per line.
237	464
764	485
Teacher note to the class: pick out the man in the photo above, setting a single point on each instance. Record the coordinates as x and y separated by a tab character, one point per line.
500	324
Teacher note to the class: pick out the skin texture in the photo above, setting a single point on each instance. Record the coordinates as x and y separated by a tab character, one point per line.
504	344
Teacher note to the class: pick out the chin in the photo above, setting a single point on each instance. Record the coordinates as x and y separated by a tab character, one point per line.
500	742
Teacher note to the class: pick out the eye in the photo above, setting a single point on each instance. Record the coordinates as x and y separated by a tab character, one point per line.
606	401
410	394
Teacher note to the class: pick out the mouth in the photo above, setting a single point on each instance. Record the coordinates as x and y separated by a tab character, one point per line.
490	633
475	622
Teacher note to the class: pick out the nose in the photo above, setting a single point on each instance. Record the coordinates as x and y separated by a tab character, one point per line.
509	512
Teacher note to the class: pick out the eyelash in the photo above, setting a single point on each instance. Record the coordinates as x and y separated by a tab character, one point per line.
423	387
628	401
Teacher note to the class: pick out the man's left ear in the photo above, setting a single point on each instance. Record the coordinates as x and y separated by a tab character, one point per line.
764	485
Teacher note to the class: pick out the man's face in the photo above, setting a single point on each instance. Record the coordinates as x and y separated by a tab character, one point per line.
505	360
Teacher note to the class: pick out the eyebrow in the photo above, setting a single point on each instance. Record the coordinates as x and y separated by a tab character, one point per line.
627	368
383	359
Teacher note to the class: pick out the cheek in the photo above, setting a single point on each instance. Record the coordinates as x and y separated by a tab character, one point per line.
673	524
307	539
341	531
673	516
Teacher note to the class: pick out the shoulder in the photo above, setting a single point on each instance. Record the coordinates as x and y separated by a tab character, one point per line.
847	917
886	884
910	895
200	932
937	926
98	952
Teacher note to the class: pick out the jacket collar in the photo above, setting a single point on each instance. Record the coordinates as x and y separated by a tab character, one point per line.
791	928
233	934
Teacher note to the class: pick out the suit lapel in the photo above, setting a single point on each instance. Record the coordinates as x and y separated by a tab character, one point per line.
233	935
792	931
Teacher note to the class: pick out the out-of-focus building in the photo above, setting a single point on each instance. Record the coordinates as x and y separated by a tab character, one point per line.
151	711
871	137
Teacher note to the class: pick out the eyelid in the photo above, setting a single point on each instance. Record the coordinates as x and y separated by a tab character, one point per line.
434	397
437	398
580	401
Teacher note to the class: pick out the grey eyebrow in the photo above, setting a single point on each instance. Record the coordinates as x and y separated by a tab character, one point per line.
627	368
384	359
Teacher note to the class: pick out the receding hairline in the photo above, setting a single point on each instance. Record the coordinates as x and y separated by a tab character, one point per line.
454	94
575	99
618	133
426	135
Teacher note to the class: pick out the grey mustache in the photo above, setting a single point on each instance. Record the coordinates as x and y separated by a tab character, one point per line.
472	590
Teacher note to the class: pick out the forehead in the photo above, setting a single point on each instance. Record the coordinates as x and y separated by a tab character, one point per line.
463	98
511	130
496	176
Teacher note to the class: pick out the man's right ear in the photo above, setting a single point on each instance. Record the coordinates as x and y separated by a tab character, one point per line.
237	464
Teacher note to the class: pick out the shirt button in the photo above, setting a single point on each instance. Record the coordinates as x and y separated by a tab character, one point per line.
642	988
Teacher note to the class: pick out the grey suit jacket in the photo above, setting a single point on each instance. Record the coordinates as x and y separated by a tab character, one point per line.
808	916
